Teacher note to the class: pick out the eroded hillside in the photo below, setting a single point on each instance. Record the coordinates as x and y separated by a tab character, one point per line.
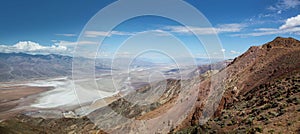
261	92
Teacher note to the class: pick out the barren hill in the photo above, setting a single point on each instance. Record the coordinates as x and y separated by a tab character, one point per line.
261	92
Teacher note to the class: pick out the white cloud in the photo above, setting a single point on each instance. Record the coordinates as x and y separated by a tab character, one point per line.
279	12
284	5
265	29
291	22
67	35
224	28
234	27
32	47
295	30
69	43
105	34
289	3
157	32
93	34
185	30
223	50
123	53
121	33
291	26
234	52
96	33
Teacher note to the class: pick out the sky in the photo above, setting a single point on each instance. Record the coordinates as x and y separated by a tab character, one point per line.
54	26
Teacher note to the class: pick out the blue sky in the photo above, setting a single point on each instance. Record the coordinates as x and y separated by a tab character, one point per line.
54	26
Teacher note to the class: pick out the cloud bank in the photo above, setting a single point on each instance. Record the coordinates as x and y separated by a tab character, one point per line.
34	48
291	26
291	22
224	28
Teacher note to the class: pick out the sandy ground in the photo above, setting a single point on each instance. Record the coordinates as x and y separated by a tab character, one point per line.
14	99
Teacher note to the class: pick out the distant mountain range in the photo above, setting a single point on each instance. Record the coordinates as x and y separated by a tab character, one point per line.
21	66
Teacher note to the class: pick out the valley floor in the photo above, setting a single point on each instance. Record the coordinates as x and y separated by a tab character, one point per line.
14	99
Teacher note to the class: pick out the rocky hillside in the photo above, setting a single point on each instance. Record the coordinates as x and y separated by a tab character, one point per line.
261	92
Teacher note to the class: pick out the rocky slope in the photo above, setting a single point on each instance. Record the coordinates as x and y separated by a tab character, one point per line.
261	92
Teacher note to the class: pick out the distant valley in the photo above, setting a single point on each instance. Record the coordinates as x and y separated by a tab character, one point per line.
258	92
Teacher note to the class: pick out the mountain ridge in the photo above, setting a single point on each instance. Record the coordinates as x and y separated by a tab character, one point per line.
22	66
260	67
